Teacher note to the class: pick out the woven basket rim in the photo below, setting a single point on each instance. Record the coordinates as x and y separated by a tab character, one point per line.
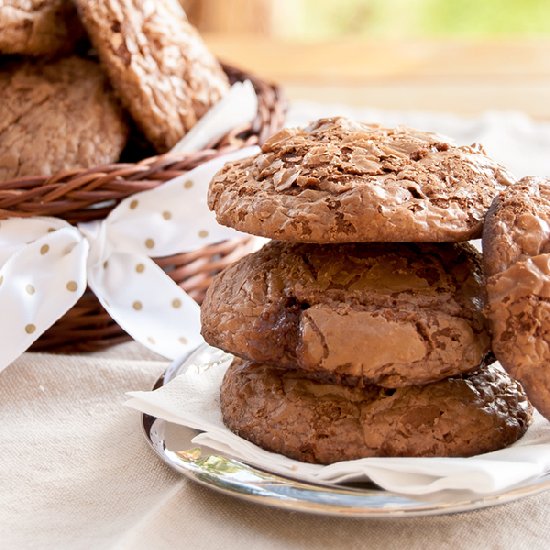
88	194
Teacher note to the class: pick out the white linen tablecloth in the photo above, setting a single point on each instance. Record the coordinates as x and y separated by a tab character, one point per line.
76	473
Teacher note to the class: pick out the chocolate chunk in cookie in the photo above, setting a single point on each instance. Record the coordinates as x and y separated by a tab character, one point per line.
39	27
55	116
392	314
344	181
516	246
157	62
324	423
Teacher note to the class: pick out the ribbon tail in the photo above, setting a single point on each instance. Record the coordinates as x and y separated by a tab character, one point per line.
38	284
170	219
146	303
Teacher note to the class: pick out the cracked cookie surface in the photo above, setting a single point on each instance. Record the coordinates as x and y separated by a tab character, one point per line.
324	423
157	62
38	27
55	116
392	314
516	247
344	181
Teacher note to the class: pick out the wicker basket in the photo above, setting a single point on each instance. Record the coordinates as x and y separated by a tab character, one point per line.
88	194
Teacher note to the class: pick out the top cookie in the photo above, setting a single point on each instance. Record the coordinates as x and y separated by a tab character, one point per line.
516	246
38	27
157	62
344	181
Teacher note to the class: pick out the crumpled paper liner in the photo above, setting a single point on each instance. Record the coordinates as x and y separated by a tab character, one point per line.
192	399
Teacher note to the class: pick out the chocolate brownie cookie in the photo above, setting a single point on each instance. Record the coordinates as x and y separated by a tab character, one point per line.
325	423
344	181
516	246
157	62
58	115
38	27
392	314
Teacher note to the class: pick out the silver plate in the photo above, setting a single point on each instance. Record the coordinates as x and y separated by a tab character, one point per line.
172	443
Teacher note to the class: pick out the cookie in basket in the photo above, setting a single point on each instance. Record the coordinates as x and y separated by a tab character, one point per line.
157	62
55	116
343	181
516	247
283	412
392	314
38	27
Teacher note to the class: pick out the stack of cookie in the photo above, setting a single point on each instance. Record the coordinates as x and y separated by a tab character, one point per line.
359	329
62	108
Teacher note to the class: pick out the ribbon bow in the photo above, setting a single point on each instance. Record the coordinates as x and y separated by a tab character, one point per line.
46	264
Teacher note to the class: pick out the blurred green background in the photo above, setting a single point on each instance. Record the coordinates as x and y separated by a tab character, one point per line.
319	19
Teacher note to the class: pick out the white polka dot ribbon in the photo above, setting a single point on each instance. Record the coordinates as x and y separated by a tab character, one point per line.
46	265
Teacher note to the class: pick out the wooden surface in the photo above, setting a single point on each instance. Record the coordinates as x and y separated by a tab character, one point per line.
458	76
231	16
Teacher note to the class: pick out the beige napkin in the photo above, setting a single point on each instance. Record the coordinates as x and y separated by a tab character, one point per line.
192	399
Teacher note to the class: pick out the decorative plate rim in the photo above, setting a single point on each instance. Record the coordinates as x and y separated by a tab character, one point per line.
232	477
